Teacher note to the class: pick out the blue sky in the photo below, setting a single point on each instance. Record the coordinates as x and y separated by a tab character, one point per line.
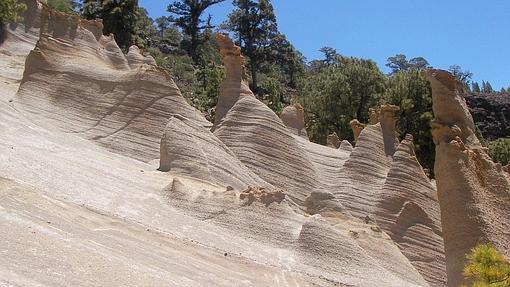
474	34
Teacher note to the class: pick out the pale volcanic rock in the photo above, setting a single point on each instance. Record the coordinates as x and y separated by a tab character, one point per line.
336	248
192	150
20	39
450	108
80	81
327	162
474	192
337	183
408	210
355	250
324	203
293	117
333	141
356	127
506	168
373	114
233	86
263	143
136	59
364	173
346	146
238	207
388	122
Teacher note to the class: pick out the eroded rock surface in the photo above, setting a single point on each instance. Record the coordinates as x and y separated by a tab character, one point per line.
333	141
234	86
123	101
356	127
293	117
192	150
248	202
346	181
408	210
474	192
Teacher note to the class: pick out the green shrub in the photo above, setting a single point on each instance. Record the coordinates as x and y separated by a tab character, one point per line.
10	10
66	6
486	266
499	150
274	90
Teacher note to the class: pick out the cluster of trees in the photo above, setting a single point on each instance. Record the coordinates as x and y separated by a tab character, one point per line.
10	11
487	267
334	90
339	89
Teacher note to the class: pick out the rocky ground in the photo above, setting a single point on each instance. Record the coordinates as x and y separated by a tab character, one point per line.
491	113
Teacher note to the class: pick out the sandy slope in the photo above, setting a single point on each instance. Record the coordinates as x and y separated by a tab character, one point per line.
53	243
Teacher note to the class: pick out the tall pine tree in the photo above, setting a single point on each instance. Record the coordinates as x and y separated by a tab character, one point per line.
187	15
254	24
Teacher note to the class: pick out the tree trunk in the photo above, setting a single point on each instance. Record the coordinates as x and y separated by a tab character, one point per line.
193	48
359	112
3	31
254	83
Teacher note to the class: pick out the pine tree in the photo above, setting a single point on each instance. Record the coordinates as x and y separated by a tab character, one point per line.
487	87
463	77
475	87
67	6
187	15
254	25
399	63
487	267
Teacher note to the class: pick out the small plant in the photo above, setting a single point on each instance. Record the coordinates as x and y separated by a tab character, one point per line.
499	150
11	10
487	267
274	92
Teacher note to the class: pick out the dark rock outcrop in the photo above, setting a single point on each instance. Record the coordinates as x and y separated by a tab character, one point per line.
491	113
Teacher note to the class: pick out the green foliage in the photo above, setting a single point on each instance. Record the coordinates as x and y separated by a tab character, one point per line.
487	267
199	83
330	55
145	32
475	87
413	95
168	33
209	77
479	135
254	26
487	87
290	61
274	91
334	95
119	18
11	10
499	150
463	77
399	63
66	6
187	15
